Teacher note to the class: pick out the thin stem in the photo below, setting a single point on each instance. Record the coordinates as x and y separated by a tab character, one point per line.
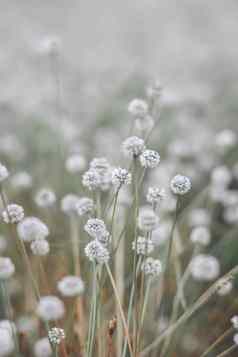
217	341
228	351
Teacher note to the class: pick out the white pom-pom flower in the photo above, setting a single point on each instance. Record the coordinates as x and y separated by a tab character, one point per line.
200	235
69	203
95	227
32	228
45	198
120	177
152	267
56	335
13	213
50	308
3	173
75	163
143	246
85	205
138	108
71	286
96	252
150	159
204	267
40	247
180	185
7	268
42	348
133	146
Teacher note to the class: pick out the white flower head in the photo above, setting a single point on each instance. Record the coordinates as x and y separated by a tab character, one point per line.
225	287
152	267
95	227
155	90
75	163
91	179
138	108
149	159
204	267
7	268
103	169
147	219
42	348
13	213
71	286
234	321
56	335
200	235
32	228
180	185
226	139
84	206
120	177
69	203
40	247
133	146
45	198
155	194
96	252
21	181
50	308
3	173
143	246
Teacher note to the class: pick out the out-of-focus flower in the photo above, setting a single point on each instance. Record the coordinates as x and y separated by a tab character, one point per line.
138	108
199	217
180	185
103	168
6	342
3	173
13	213
147	219
155	90
32	228
149	159
200	235
225	287
155	194
45	198
234	321
7	268
40	247
152	267
226	139
221	176
84	205
50	308
91	179
71	286
204	267
120	177
21	181
42	348
69	203
162	233
133	146
96	252
9	326
75	163
143	246
56	335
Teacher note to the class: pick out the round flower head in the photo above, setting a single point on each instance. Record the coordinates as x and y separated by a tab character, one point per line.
71	286
133	146
225	287
69	203
96	252
32	228
50	308
147	220
155	194
152	267
221	176
56	335
95	227
200	235
7	268
150	159
103	169
234	321
84	205
21	181
162	233
204	267
75	163
3	173
13	213
42	348
91	179
45	198
143	246
180	185
226	139
120	177
138	108
40	247
7	344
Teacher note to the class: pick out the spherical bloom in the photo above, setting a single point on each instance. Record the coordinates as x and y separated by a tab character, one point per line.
180	185
7	268
42	348
225	287
155	194
69	203
13	213
45	198
56	335
120	177
143	246
234	321
226	139
75	163
221	176
200	235
103	169
95	227
150	159
84	205
50	308
147	219
133	146
6	343
40	247
96	252
32	228
204	267
3	173
91	179
152	267
138	108
71	286
162	233
21	181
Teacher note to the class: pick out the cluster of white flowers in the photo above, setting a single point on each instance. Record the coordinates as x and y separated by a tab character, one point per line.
3	173
56	335
180	185
40	247
32	228
200	235
71	286
50	308
133	146
138	108
96	228
45	198
69	203
13	213
120	177
98	176
84	206
147	219
96	252
204	267
7	268
149	159
155	194
152	267
143	246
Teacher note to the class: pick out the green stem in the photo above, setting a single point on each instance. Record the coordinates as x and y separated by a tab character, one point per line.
228	351
218	340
